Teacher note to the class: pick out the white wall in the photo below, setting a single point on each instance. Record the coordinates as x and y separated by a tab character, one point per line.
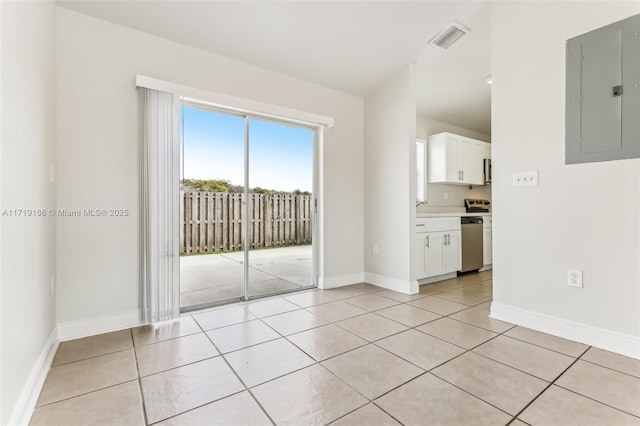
99	160
28	133
456	194
584	216
390	167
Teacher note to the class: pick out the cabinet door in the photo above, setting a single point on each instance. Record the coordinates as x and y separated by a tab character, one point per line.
474	166
434	254
470	161
452	162
421	171
453	252
418	264
487	242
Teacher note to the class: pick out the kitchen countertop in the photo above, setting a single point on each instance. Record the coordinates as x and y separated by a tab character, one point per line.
451	214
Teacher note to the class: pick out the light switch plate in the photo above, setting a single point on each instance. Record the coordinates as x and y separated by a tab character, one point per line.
525	178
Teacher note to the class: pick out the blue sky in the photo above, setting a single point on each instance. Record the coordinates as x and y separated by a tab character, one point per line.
280	157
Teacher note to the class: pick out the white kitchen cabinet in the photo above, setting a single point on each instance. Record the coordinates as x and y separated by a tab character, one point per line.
452	252
429	249
456	159
421	171
487	241
436	251
419	258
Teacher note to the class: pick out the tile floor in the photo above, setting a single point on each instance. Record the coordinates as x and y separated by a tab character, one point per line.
357	355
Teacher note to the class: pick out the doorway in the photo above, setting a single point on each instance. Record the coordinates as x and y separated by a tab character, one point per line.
247	207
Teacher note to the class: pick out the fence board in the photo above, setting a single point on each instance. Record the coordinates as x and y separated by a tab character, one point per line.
211	222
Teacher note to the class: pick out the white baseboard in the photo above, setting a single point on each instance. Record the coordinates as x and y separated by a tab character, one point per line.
406	287
96	325
26	403
334	281
619	343
438	278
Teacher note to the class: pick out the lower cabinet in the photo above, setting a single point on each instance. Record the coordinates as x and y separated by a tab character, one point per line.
487	240
487	246
453	252
436	253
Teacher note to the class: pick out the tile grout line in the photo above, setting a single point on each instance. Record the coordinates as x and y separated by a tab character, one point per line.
238	377
547	387
199	406
609	368
588	397
139	380
91	357
595	400
83	394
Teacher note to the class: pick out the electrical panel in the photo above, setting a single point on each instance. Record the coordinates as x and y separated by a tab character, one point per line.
603	94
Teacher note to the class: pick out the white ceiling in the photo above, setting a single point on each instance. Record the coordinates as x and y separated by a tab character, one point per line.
346	45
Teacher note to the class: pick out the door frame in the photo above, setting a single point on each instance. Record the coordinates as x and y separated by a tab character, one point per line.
316	200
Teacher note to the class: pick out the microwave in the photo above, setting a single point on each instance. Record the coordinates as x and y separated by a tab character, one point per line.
487	171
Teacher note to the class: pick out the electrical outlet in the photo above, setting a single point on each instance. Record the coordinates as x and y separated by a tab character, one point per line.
375	249
574	278
446	195
52	284
525	178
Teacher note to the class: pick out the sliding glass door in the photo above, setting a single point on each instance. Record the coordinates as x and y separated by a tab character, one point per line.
280	207
246	213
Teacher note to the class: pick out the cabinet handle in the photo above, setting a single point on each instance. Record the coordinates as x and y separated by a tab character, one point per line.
426	239
447	237
459	174
462	174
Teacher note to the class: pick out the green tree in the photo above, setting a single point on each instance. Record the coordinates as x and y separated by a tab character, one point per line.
208	185
258	190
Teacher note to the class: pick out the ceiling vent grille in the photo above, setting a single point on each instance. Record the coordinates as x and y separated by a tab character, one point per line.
447	37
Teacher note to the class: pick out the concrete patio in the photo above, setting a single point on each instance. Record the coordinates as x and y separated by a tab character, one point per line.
212	278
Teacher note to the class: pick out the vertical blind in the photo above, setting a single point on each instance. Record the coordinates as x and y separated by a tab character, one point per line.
160	134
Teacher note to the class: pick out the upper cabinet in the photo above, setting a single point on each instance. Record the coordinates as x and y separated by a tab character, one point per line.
456	159
421	171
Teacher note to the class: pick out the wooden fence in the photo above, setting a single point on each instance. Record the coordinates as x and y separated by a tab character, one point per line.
211	222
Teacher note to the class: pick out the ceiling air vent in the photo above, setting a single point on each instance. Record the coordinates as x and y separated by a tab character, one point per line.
447	37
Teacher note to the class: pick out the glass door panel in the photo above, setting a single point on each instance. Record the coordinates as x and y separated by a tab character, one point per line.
280	206
211	231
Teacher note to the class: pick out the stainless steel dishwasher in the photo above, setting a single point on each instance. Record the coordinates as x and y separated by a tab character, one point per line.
472	255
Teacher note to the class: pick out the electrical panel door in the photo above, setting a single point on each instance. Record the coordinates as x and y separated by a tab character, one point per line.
603	94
